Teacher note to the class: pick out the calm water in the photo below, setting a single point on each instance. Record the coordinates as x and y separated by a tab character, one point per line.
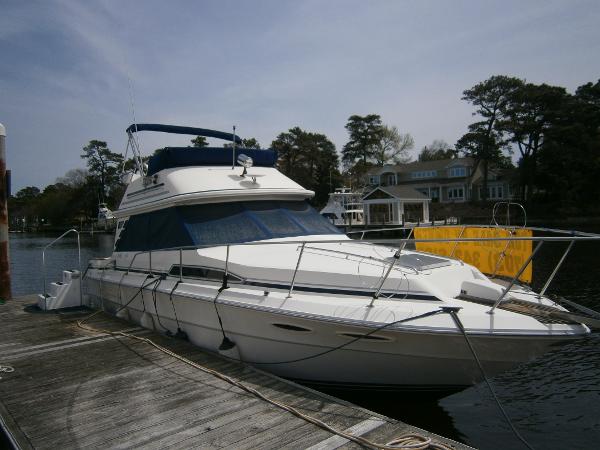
554	401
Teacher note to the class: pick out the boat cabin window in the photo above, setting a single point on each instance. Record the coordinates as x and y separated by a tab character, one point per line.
203	273
222	223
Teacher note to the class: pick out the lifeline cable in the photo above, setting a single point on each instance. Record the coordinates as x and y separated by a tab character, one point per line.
458	322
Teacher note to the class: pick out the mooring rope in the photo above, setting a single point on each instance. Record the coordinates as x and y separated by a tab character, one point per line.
452	311
410	441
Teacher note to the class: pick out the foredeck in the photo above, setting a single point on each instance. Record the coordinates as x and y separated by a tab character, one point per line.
71	388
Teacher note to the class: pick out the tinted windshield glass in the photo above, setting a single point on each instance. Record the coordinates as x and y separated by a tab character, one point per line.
223	223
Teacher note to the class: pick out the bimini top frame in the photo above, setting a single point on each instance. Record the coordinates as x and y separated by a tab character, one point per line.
176	129
173	129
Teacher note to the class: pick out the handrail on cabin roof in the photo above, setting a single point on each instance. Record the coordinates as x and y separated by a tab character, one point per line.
176	129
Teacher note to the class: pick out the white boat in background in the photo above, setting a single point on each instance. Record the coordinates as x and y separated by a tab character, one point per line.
106	219
225	248
344	208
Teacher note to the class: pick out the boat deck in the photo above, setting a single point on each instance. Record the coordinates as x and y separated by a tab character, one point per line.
72	388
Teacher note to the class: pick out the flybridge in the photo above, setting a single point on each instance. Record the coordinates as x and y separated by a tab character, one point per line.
171	157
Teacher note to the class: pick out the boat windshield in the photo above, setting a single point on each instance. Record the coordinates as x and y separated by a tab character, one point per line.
221	223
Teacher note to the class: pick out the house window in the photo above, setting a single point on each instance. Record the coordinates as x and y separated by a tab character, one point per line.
391	180
457	172
424	174
495	192
373	179
456	193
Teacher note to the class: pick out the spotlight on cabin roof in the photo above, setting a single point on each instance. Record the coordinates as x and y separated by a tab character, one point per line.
245	161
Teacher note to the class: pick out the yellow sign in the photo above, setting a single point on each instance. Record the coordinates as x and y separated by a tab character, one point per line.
491	257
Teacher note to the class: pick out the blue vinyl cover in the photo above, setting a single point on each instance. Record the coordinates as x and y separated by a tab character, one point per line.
176	129
171	157
220	224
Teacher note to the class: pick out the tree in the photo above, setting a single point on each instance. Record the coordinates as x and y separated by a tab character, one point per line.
529	112
483	141
308	158
200	142
392	146
28	193
436	151
74	178
568	162
103	166
250	143
246	143
365	133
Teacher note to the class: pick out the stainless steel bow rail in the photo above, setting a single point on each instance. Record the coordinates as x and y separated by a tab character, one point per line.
72	230
567	236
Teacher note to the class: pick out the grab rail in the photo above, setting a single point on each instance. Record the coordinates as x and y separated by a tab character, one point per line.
497	204
72	230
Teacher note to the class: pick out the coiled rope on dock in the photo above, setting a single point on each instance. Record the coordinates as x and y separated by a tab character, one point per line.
409	441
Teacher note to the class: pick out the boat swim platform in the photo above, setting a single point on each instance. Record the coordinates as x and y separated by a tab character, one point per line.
72	388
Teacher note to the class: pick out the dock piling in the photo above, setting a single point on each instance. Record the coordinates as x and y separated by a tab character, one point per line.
5	291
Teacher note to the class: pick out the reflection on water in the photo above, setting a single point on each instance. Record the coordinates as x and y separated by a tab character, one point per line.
554	401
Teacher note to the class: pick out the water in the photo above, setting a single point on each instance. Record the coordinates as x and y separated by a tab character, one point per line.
26	258
553	401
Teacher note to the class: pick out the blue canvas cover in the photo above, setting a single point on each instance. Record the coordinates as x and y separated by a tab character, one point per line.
221	223
170	157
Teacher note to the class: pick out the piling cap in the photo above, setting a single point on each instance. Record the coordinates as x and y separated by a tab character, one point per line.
2	130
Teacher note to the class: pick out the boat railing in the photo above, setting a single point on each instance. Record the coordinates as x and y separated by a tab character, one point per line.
72	230
571	237
497	208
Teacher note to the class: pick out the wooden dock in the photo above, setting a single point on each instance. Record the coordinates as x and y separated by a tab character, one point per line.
71	388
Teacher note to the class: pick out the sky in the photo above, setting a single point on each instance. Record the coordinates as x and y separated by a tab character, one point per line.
69	70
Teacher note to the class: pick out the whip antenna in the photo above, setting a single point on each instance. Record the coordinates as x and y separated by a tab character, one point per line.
233	151
133	140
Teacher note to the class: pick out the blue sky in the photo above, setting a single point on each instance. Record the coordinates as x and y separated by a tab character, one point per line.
267	66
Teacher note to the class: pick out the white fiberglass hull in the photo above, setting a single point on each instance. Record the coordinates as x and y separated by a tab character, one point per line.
271	340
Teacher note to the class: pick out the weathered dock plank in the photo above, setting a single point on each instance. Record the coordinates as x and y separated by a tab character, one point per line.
72	388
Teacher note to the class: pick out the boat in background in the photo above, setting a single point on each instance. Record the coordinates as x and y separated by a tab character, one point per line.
219	246
106	219
344	208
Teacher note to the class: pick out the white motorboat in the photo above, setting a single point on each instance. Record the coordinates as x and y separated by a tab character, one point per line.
106	218
344	208
217	244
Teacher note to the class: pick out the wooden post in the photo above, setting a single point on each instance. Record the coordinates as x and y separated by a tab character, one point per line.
4	260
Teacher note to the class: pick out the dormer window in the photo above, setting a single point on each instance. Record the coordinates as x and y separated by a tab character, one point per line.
374	179
458	171
424	174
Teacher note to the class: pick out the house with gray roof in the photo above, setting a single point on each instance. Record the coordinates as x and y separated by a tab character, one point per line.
395	205
446	180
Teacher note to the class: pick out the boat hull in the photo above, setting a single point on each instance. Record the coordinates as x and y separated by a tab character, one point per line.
324	352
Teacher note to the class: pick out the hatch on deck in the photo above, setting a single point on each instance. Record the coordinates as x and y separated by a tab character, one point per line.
422	262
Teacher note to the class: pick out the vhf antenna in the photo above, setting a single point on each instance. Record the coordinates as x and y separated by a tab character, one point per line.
233	151
132	140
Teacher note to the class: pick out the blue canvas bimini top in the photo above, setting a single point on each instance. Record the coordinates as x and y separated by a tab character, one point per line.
171	157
